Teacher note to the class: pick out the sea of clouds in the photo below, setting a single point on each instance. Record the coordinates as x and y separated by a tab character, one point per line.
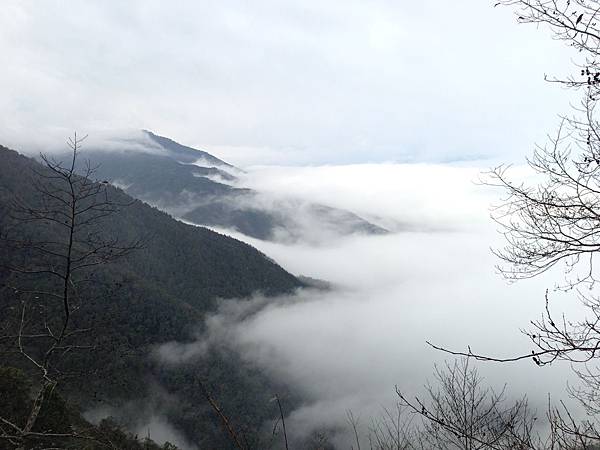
432	279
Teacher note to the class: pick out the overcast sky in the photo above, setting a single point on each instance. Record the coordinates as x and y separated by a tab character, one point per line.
285	82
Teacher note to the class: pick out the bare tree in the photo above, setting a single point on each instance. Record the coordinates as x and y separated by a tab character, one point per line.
282	417
394	430
461	413
56	242
557	219
572	21
554	219
237	438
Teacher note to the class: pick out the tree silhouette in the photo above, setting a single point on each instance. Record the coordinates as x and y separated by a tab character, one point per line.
55	245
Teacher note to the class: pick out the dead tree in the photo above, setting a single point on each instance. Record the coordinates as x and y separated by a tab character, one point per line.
56	241
460	412
556	219
553	220
572	21
395	429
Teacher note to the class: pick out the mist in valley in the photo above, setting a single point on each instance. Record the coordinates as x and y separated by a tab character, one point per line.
315	208
433	279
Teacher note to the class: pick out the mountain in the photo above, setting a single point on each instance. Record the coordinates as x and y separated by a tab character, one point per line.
199	188
159	293
186	154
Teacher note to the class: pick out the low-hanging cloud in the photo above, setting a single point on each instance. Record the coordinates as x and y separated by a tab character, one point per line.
346	348
146	418
424	196
113	140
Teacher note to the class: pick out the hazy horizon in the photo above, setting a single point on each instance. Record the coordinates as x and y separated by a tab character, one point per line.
290	83
389	113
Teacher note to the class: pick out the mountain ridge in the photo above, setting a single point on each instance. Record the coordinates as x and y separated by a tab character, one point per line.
196	186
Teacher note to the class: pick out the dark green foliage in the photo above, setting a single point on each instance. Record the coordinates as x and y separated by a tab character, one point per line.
158	294
190	262
225	212
236	211
157	178
14	392
58	417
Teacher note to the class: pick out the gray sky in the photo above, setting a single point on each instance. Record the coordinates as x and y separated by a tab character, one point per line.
286	82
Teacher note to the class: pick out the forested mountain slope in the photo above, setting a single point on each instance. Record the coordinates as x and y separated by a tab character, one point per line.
156	294
200	188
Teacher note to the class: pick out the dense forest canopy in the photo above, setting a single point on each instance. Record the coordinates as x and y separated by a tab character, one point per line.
158	293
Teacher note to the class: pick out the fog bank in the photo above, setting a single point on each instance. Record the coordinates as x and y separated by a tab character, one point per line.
349	347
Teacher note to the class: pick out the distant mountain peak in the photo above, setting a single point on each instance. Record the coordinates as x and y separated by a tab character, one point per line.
198	187
184	153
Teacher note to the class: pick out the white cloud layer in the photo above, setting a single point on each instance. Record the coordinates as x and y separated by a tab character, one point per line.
348	348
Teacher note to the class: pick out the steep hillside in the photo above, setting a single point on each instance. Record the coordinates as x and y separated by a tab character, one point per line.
186	154
156	294
200	188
